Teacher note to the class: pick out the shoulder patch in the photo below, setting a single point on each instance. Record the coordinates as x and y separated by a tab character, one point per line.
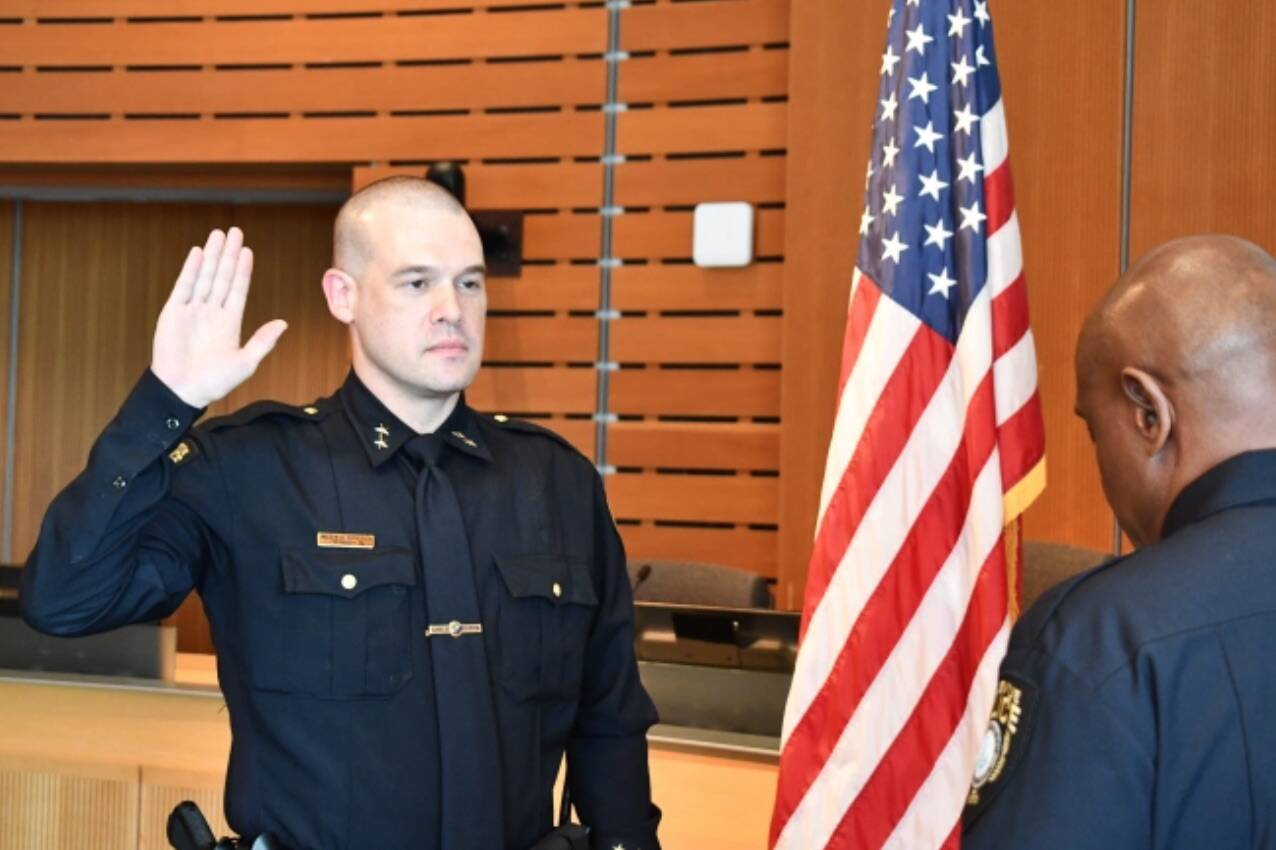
508	423
183	452
1003	744
313	412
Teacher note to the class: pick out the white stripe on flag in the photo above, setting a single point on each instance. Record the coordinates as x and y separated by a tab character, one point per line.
992	137
1014	377
1005	256
890	331
894	509
938	803
898	686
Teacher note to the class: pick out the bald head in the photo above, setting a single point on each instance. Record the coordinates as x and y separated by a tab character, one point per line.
351	242
1176	371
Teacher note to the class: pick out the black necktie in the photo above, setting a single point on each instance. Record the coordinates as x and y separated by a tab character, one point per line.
470	763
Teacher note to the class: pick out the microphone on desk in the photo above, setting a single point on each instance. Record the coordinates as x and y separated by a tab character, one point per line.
644	573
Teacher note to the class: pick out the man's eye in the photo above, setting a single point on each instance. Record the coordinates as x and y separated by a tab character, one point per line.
417	283
472	284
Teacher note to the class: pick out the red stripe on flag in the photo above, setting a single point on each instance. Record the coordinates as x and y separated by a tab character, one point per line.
953	841
1009	317
888	611
861	309
999	197
895	413
1022	442
916	750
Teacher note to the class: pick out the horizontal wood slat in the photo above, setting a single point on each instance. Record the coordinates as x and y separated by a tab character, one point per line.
694	498
556	185
552	32
696	392
300	140
562	237
691	181
747	548
753	126
329	180
550	340
378	89
694	445
669	235
702	339
685	287
713	23
704	76
545	288
511	389
185	8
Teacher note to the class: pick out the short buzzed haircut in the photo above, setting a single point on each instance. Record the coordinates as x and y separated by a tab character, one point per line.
349	238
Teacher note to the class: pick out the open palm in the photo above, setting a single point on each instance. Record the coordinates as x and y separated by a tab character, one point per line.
196	352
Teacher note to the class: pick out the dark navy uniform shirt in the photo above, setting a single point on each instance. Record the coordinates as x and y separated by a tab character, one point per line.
1137	707
321	650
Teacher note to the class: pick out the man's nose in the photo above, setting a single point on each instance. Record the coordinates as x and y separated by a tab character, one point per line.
445	306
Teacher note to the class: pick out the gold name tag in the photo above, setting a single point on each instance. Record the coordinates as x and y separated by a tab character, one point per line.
341	540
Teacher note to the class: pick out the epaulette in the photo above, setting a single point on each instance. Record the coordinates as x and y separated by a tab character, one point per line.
509	423
316	411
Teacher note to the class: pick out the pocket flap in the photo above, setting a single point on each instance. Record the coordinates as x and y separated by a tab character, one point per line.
346	573
547	577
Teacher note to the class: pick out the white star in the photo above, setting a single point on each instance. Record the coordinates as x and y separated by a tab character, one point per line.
957	23
888	107
889	60
892	248
912	2
888	153
917	40
966	119
941	283
890	201
865	220
969	168
961	70
938	235
981	12
927	136
980	59
971	217
931	185
890	17
921	88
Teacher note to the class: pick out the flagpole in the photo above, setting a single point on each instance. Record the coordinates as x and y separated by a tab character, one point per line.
1127	156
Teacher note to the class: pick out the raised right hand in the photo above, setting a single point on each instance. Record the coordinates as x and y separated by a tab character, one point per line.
196	352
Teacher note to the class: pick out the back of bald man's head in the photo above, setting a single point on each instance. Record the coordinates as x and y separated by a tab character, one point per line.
1199	313
350	244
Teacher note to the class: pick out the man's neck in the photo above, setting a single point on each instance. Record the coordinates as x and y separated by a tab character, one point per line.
423	414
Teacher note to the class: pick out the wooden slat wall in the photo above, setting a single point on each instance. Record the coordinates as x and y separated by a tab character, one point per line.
48	803
6	301
697	447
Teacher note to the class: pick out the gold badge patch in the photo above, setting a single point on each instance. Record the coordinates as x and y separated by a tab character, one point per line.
991	762
181	452
342	540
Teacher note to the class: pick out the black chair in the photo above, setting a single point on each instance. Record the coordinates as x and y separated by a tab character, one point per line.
1046	564
688	583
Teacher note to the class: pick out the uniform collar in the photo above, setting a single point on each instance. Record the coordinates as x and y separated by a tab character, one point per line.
1244	479
382	434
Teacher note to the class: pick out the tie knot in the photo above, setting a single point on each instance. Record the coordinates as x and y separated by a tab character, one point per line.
425	449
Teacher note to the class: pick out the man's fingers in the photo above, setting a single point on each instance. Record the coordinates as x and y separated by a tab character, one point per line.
226	266
212	256
238	294
185	284
263	341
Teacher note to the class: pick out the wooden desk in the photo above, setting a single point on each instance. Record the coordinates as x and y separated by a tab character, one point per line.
100	763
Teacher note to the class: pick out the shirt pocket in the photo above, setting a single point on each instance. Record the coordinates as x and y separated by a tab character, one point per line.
548	605
342	626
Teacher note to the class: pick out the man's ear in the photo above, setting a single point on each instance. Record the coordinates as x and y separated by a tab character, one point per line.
1153	412
339	289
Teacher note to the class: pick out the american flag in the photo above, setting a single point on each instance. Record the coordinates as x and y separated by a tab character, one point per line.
937	448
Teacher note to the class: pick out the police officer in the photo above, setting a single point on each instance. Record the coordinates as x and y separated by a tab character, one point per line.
1137	702
416	608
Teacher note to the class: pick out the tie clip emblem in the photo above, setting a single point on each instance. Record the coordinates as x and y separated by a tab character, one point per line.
342	540
464	439
382	433
454	629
